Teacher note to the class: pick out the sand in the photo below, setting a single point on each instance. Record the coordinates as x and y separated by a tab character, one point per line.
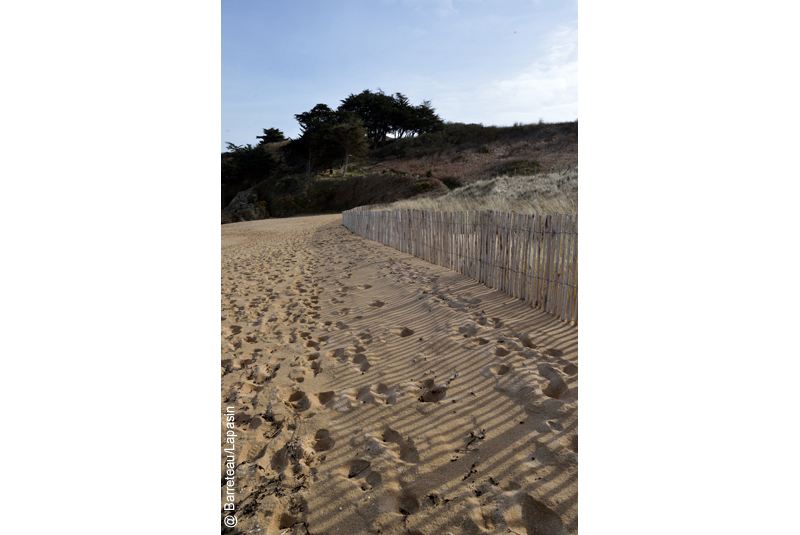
374	392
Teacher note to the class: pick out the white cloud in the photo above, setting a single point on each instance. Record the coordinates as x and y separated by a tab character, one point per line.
547	89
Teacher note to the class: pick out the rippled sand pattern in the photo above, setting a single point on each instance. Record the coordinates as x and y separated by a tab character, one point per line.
377	393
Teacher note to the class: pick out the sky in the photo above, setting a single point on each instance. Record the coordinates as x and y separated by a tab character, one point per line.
478	61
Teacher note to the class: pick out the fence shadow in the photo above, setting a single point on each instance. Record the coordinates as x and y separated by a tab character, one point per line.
530	257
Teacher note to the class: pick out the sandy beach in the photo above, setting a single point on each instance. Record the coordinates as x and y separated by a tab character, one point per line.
373	392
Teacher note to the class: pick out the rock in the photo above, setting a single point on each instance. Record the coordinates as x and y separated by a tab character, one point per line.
245	207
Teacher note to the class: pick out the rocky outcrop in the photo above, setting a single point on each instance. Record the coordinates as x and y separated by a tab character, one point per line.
245	207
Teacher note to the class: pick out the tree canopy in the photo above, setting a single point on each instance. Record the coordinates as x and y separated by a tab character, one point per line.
315	145
329	136
271	135
244	167
350	135
384	114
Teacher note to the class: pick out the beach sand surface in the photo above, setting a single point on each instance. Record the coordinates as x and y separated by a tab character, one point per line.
374	392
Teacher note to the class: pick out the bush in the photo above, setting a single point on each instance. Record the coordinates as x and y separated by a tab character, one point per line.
429	173
520	167
422	187
484	149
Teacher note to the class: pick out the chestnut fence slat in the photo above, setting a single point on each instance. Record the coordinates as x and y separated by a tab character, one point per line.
529	257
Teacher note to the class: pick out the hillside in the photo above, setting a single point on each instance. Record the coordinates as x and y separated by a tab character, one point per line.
423	167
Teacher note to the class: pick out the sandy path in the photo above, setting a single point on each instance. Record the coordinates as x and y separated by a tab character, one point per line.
377	393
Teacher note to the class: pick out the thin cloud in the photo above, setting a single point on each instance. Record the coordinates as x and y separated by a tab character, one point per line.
547	89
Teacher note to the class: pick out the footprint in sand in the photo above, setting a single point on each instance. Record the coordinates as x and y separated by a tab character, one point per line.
299	401
338	353
501	351
298	375
402	332
377	303
361	361
407	504
407	450
468	329
312	361
357	466
361	469
364	338
540	519
323	441
231	331
262	374
326	397
534	340
554	385
431	392
499	369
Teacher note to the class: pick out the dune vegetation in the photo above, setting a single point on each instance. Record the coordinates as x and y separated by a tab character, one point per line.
530	168
545	193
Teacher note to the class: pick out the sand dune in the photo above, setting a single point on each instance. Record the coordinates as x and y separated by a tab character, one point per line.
376	393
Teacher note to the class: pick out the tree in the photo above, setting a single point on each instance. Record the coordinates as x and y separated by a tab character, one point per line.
383	114
245	167
314	145
402	116
351	136
375	111
271	135
425	119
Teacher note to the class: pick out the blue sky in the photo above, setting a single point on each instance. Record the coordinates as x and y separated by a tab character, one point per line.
478	61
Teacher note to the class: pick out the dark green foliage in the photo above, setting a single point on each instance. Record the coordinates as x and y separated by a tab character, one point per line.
315	145
462	136
243	167
350	135
376	111
519	167
422	187
384	114
271	135
327	138
282	172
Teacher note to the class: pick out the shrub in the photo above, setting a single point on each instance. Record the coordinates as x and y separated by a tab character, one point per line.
429	173
484	149
422	187
520	167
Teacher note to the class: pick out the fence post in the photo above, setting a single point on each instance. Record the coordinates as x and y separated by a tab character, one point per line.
533	257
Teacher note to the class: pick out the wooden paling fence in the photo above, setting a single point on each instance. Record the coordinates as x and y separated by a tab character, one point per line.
529	257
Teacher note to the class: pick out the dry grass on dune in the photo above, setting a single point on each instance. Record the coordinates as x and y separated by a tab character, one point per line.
541	194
